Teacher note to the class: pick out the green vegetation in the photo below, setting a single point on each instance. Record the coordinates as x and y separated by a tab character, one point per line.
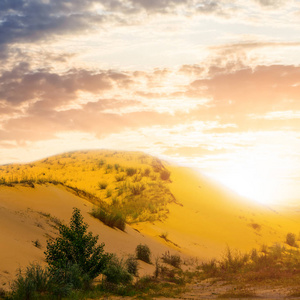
114	219
76	246
131	171
34	281
74	260
139	182
291	239
116	272
132	265
102	185
171	259
275	262
143	253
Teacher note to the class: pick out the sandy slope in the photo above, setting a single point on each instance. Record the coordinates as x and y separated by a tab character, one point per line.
24	220
210	218
205	220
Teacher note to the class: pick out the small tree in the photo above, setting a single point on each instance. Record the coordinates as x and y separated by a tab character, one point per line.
76	246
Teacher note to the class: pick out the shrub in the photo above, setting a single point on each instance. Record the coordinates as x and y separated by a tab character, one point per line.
143	253
120	177
63	281
101	163
233	261
136	178
76	246
130	171
27	285
2	293
132	265
165	175
291	239
102	185
210	267
137	188
173	260
116	272
109	219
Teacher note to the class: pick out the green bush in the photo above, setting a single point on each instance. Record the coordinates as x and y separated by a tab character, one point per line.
143	253
76	246
173	260
109	219
291	239
132	265
30	283
63	281
116	272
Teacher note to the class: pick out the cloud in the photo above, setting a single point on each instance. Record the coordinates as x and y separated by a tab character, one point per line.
39	104
271	3
247	89
278	115
22	84
27	21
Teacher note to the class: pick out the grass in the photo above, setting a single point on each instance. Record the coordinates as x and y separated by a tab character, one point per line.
111	219
132	177
171	259
238	294
102	185
276	263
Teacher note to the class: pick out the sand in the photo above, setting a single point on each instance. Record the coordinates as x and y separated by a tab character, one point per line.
24	220
205	219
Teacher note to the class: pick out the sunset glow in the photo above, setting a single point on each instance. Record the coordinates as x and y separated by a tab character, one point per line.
210	84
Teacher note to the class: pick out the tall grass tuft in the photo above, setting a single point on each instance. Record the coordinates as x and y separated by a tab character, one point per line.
30	283
110	219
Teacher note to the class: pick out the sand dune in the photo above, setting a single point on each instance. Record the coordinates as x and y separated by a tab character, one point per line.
25	219
211	218
202	222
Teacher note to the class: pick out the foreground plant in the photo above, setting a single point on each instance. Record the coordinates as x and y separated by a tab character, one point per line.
76	246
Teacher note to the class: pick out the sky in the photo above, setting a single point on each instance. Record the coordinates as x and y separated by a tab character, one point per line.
210	84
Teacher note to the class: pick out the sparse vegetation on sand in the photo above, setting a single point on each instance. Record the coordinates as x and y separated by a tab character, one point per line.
113	219
75	260
134	184
276	263
143	253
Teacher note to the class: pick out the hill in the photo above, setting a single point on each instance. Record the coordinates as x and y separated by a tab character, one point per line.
165	206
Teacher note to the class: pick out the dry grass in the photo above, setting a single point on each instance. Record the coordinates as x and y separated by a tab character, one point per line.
130	179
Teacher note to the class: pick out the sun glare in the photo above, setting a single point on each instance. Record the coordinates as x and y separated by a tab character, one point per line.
261	181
